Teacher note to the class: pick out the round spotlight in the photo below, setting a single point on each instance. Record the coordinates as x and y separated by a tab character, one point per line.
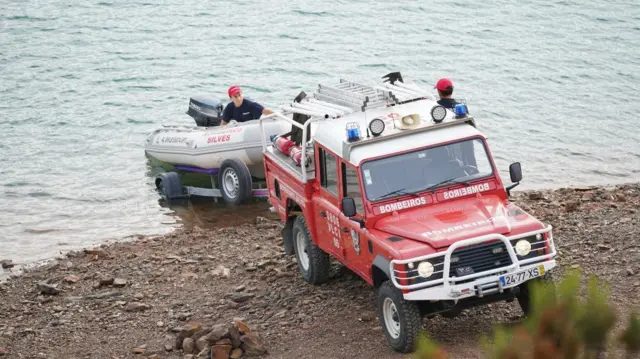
438	113
425	269
523	247
376	126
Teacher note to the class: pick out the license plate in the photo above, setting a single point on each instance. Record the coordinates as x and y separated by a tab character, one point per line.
513	279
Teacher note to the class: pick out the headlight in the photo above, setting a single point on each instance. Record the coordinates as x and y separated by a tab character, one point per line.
425	269
523	247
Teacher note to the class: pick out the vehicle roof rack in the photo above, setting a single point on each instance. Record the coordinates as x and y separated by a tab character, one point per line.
331	101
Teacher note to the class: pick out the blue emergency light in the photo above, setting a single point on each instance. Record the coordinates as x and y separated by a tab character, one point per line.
461	110
353	131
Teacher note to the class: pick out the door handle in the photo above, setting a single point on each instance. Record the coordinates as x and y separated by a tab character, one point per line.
344	229
323	214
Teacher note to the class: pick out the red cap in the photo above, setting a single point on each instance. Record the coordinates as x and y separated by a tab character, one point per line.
234	90
444	84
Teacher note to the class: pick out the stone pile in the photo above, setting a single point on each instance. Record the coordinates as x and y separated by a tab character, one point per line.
221	341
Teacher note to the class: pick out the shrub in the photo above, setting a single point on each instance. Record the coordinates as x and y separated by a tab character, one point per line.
561	326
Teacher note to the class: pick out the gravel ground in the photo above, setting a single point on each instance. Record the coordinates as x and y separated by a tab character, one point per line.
132	299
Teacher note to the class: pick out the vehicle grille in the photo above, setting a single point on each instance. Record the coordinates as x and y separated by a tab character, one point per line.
480	257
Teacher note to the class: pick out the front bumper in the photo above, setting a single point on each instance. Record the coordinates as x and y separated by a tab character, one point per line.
476	284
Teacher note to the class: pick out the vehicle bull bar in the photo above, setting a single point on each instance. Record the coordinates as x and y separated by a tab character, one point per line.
449	281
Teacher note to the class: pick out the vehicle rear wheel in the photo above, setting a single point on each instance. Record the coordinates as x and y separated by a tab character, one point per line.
235	181
525	295
400	318
313	261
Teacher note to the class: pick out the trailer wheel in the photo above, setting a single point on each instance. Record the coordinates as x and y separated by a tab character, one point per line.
235	181
313	261
524	297
400	318
169	186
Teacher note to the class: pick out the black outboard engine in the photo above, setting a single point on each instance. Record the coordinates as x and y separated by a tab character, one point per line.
205	110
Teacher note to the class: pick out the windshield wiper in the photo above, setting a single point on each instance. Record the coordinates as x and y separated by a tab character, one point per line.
454	180
397	191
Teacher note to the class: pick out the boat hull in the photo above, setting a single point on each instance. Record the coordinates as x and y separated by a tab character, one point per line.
208	147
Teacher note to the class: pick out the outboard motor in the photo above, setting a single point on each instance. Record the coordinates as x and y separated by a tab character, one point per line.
205	110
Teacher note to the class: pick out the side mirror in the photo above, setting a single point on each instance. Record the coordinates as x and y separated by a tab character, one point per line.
515	172
348	207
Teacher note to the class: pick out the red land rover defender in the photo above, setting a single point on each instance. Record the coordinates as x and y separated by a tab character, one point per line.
406	194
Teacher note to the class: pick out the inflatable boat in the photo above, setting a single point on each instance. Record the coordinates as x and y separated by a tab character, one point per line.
207	145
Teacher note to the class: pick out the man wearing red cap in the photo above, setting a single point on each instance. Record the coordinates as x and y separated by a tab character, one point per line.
241	109
445	90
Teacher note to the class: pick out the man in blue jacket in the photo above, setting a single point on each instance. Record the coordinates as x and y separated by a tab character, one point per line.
241	109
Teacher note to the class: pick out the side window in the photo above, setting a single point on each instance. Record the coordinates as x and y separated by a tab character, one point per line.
351	187
328	175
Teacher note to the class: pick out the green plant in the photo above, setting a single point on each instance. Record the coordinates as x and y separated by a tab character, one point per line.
560	326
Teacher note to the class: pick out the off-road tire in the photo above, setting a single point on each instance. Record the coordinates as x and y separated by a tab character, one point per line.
524	297
408	316
317	271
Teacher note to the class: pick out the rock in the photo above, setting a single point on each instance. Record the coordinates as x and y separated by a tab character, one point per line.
535	196
221	271
168	347
106	281
188	346
366	317
253	345
160	324
242	326
3	351
240	288
104	295
235	336
630	272
241	297
58	308
236	353
119	282
47	289
203	354
7	263
217	333
153	356
186	331
101	253
188	356
220	351
189	275
138	296
604	247
136	307
571	206
201	333
139	350
71	279
202	343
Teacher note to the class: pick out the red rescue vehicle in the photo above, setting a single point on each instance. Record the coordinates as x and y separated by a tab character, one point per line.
406	194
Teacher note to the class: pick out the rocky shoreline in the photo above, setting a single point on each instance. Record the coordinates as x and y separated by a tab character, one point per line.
233	290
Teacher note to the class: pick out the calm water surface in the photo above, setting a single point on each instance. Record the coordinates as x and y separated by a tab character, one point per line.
553	84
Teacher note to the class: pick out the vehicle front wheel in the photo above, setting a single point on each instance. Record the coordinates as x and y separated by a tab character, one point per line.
400	318
313	262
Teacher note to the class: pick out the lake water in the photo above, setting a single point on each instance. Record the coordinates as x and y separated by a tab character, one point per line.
553	84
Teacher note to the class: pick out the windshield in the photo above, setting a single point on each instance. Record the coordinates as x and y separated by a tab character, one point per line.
429	168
